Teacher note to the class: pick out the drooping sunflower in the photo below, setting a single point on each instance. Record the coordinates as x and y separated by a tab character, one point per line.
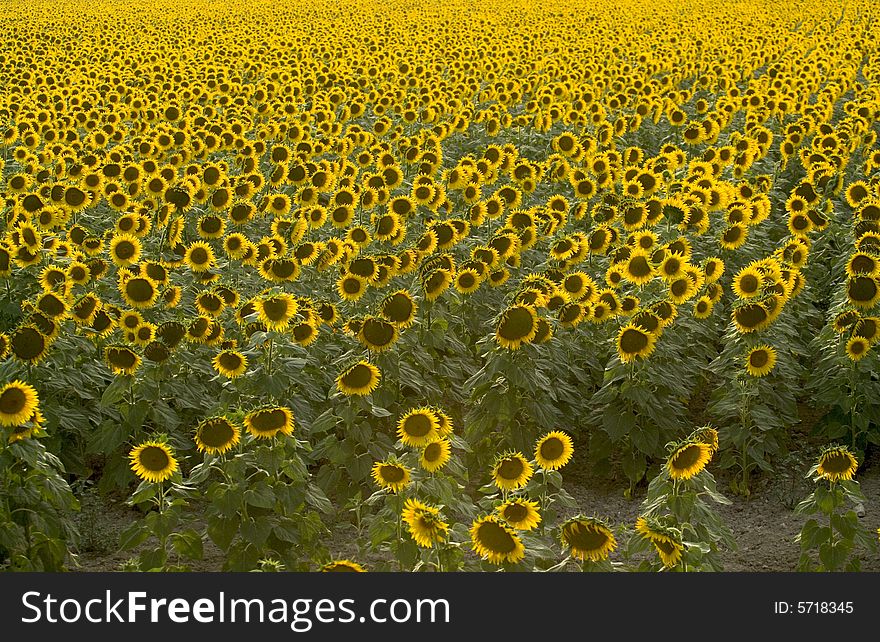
424	523
553	450
343	566
139	291
391	475
121	360
28	344
708	435
399	308
518	325
435	455
511	471
153	461
836	463
589	538
634	341
268	422
418	427
522	514
216	435
666	541
361	378
378	335
760	360
436	283
18	402
688	458
276	311
495	541
230	363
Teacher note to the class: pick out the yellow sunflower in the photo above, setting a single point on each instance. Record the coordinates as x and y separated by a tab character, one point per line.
216	435
688	459
837	463
391	475
553	450
666	541
230	363
588	538
153	461
435	455
760	360
418	427
18	402
522	514
343	566
424	523
518	325
634	341
267	422
495	541
360	379
511	471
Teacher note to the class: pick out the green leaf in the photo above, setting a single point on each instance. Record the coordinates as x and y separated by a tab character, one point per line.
260	495
221	530
618	423
133	535
188	543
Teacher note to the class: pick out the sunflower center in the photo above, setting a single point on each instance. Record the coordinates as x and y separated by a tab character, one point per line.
360	376
584	537
139	290
275	309
759	358
417	425
515	512
198	256
495	538
216	433
122	357
552	449
836	462
518	323
12	401
269	420
391	474
466	280
862	289
230	361
633	341
751	316
378	333
125	250
154	459
749	283
351	285
687	457
639	266
665	546
28	343
511	468
432	452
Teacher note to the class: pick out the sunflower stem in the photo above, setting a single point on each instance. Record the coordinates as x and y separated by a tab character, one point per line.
271	346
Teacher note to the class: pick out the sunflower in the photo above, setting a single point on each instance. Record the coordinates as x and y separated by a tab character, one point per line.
760	360
230	363
266	423
343	566
378	335
750	317
518	325
424	523
18	403
747	283
391	475
511	471
634	341
351	287
522	514
436	283
216	435
153	461
553	450
638	269
276	311
139	291
467	281
5	346
361	378
399	308
666	541
495	541
121	360
688	459
857	348
862	290
588	538
435	455
199	257
708	436
418	427
837	463
125	250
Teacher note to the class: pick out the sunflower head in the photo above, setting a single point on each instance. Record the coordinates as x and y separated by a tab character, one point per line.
18	403
760	360
153	461
217	435
270	421
361	378
520	513
836	463
511	471
688	458
588	538
553	450
343	566
424	523
391	475
418	427
495	541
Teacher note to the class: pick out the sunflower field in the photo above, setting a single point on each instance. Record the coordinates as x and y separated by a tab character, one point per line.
352	285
